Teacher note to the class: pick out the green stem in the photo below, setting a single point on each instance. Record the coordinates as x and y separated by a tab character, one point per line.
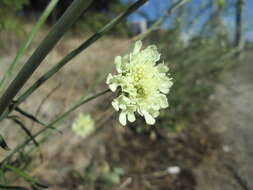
161	19
62	25
78	50
27	43
32	118
77	105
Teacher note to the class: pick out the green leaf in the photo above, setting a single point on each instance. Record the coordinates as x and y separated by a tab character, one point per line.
3	144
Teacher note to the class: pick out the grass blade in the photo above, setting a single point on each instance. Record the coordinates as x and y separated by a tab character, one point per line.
58	30
20	173
62	116
33	118
24	128
3	144
25	176
78	50
27	43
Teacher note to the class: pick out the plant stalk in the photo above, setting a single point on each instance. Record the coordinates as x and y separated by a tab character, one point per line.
51	124
58	30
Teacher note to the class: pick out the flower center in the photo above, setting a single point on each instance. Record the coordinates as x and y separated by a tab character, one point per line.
140	91
138	74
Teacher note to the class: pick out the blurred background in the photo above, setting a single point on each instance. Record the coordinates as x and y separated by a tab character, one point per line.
203	141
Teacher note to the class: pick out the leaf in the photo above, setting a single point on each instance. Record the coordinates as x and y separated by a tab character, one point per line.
3	144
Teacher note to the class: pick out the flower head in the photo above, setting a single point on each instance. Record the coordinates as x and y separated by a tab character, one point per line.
83	125
143	84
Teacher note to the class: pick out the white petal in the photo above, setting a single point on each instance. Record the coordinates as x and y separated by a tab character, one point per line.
149	119
122	106
152	54
137	47
139	111
115	104
126	100
155	114
142	111
162	68
131	117
164	90
155	106
113	87
122	118
164	101
117	62
165	86
108	79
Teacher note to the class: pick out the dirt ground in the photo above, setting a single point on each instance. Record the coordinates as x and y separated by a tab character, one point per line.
232	121
210	154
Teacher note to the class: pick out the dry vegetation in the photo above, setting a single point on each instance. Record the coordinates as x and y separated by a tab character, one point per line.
144	157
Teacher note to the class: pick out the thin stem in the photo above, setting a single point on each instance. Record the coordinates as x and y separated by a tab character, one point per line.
100	126
58	30
24	128
77	105
161	19
27	43
32	118
78	50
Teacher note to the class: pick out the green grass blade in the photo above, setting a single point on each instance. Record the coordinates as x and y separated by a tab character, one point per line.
86	95
62	116
57	31
27	43
3	179
25	176
77	105
78	50
3	144
24	128
32	118
20	173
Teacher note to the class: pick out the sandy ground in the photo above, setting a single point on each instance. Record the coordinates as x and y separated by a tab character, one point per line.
232	121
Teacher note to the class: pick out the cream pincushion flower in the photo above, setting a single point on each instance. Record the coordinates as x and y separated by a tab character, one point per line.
83	125
143	84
